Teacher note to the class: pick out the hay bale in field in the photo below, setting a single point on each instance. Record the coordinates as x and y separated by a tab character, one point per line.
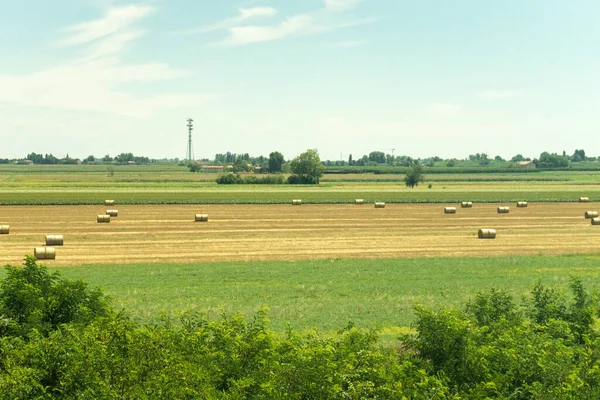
112	213
486	234
44	253
521	204
359	201
591	214
103	218
297	202
596	221
201	218
4	229
584	199
54	240
449	210
466	204
109	202
379	204
503	210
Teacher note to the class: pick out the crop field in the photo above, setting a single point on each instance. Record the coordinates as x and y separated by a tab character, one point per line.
172	184
168	233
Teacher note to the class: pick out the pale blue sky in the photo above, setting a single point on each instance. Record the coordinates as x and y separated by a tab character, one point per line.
425	77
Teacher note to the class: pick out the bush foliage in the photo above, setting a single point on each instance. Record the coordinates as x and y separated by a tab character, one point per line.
61	339
236	179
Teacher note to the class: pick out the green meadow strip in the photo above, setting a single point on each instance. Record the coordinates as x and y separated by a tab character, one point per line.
327	294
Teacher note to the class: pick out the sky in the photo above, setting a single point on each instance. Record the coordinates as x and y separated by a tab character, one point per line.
443	78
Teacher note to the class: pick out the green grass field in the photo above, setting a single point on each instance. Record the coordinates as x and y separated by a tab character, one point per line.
327	294
172	184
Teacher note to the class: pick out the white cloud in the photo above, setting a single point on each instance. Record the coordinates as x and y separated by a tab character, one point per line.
445	109
244	15
115	20
95	80
241	35
339	5
497	94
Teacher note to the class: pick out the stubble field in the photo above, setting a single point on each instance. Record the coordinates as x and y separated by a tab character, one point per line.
168	233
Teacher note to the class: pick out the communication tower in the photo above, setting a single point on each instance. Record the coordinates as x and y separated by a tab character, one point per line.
190	147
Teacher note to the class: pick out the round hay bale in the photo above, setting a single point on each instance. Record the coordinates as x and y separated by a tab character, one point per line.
201	218
521	204
486	234
503	210
297	202
103	218
109	202
112	213
54	240
44	253
591	214
379	204
449	210
359	201
466	204
584	199
596	221
4	229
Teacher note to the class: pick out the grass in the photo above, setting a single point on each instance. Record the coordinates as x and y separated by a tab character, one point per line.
326	294
172	184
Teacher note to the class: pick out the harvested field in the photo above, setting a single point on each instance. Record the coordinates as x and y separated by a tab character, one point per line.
166	233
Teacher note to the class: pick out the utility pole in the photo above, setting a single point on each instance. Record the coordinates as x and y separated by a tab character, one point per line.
190	149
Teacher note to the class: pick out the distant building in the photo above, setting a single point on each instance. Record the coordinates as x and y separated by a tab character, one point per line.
526	164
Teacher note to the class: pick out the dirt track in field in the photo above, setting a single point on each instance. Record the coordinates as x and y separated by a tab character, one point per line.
142	234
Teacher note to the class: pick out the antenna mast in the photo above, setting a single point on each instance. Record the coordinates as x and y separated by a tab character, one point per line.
190	148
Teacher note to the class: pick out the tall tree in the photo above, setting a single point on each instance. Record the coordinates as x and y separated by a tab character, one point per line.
307	168
414	176
276	161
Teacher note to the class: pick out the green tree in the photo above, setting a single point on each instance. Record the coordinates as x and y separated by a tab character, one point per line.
241	166
414	176
307	168
33	299
377	156
276	161
194	167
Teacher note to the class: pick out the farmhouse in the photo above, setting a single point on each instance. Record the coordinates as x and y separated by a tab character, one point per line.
526	164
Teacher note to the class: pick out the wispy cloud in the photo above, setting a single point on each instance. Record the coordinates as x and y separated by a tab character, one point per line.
445	109
115	20
498	94
245	14
326	18
93	79
339	5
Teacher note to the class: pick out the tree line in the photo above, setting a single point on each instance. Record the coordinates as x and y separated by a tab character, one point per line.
61	339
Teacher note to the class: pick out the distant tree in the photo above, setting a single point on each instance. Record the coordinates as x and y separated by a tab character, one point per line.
414	176
307	168
241	166
517	158
124	158
276	161
350	160
553	160
107	158
499	159
578	156
378	157
194	167
451	163
89	159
